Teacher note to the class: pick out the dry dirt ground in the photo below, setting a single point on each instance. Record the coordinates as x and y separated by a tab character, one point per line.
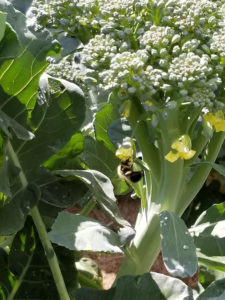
109	264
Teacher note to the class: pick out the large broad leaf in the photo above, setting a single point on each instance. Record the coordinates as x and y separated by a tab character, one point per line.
25	273
102	121
102	189
69	44
21	5
97	157
67	157
118	130
154	286
216	291
7	124
62	193
209	231
13	214
77	232
55	118
2	24
178	249
17	20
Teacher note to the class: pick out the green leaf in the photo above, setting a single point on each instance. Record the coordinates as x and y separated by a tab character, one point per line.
4	182
118	130
66	158
216	291
7	279
208	231
147	286
63	193
21	5
97	157
17	22
55	118
102	121
2	24
13	214
216	263
7	123
21	254
69	44
219	168
102	189
25	273
77	232
178	249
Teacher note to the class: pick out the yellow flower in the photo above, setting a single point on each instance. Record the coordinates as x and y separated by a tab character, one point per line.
182	147
216	120
125	153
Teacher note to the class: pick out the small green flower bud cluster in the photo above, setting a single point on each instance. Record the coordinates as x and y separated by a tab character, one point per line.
62	69
187	15
99	51
157	37
124	67
189	67
217	44
201	97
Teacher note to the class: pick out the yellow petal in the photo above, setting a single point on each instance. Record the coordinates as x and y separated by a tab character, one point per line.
180	147
216	120
183	144
124	153
209	117
187	155
219	126
172	157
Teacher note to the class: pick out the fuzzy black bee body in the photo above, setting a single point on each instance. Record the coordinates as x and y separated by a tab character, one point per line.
125	171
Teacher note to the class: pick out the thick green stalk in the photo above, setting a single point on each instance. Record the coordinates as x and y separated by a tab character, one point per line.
147	243
41	229
166	194
199	177
149	151
175	196
141	256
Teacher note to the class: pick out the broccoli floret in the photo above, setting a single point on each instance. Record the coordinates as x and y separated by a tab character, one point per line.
171	50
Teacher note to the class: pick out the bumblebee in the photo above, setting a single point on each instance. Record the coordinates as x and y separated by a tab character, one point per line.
126	154
125	171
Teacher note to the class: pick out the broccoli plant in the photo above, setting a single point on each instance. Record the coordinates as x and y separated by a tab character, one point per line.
157	67
161	65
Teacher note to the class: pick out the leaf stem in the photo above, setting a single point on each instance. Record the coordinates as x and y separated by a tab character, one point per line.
41	229
88	207
19	281
50	254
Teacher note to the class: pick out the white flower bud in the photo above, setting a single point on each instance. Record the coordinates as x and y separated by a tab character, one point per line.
176	38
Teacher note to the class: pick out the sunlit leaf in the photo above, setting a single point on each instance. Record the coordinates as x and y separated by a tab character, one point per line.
178	249
77	232
209	231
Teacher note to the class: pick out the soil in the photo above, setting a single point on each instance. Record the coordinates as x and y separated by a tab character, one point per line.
109	264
